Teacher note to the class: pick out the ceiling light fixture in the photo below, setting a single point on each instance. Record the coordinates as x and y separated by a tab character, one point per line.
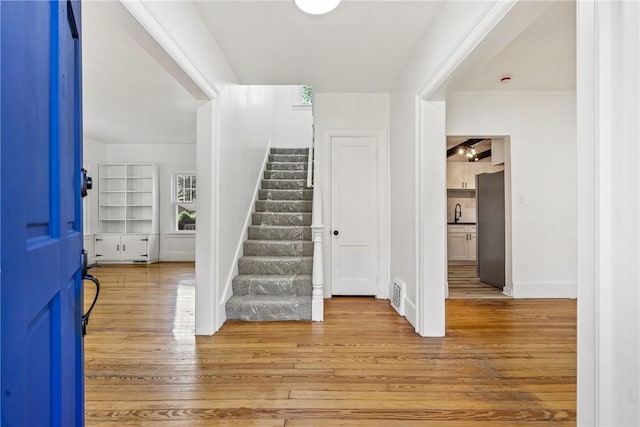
470	152
317	7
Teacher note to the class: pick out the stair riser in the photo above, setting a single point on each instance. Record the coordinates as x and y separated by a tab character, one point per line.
253	266
285	194
288	158
290	151
283	206
286	166
280	218
261	313
289	233
283	184
285	174
297	285
277	248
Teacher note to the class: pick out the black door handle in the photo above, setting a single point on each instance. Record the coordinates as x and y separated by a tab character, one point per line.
87	315
86	183
336	232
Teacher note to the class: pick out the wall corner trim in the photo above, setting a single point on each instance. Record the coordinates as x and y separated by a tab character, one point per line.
142	14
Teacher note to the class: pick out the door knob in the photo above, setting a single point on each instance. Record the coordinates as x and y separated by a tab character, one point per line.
86	183
336	232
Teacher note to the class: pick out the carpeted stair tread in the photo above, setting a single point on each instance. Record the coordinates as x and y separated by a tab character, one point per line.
283	184
272	284
275	265
281	218
288	158
269	307
286	166
284	206
279	174
279	232
277	248
291	151
305	194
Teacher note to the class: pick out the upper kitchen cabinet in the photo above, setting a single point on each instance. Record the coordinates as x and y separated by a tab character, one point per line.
462	175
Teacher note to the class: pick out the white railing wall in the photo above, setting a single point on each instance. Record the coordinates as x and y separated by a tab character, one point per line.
317	280
317	228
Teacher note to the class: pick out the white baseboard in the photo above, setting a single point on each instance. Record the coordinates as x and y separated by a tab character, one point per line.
410	312
178	257
545	289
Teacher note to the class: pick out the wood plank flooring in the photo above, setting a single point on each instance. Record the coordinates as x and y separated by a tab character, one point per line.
502	363
465	284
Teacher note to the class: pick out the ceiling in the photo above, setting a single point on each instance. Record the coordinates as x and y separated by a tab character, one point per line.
360	47
128	97
541	57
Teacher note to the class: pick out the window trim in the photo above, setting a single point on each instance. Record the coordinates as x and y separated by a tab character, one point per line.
174	201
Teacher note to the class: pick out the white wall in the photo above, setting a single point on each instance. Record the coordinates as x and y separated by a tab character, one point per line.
93	153
445	33
544	183
246	129
352	112
293	124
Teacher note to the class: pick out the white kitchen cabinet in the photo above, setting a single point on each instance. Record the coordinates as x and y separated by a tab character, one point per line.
455	175
126	248
462	175
461	243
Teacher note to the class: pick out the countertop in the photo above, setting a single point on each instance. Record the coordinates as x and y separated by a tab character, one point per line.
461	223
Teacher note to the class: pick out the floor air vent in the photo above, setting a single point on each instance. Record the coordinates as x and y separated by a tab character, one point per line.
398	290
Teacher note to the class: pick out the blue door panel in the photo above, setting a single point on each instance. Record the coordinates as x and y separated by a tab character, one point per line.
40	215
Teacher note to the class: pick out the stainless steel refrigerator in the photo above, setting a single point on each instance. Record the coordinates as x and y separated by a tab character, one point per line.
490	228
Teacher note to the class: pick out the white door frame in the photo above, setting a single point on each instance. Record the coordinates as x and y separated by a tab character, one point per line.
431	175
382	176
208	318
608	253
431	217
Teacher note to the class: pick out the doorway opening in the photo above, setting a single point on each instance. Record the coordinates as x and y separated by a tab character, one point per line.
478	217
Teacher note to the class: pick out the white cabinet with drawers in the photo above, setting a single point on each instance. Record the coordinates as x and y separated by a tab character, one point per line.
461	242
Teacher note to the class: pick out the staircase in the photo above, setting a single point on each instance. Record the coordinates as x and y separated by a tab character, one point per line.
274	280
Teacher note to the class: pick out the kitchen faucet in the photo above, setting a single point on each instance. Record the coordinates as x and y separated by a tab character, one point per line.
457	213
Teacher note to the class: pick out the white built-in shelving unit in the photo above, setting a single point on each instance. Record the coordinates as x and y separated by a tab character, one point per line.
127	213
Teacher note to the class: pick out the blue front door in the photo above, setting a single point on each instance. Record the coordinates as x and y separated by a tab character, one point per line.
41	214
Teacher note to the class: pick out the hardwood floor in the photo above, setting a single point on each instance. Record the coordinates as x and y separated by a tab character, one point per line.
465	284
502	363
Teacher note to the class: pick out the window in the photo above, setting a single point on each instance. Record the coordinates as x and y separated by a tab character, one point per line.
185	201
302	97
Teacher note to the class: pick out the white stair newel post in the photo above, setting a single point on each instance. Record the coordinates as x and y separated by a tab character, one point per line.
317	280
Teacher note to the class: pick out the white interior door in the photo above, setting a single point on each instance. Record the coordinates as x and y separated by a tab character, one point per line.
354	220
